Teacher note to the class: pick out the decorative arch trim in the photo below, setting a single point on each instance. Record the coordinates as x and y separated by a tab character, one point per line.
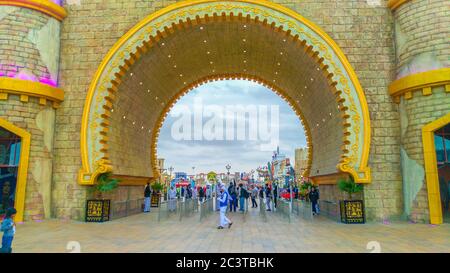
23	166
100	95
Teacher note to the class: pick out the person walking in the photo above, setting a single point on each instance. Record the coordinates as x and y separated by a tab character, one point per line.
201	194
8	228
147	195
242	194
275	195
183	192
217	192
233	201
188	192
223	204
268	197
208	191
172	199
254	195
314	198
194	192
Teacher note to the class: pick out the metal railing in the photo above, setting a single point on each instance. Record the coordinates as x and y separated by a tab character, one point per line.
195	206
206	208
284	209
330	209
302	208
126	208
262	209
245	209
186	208
166	209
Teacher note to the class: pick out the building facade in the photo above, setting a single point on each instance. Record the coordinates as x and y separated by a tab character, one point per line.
301	162
370	81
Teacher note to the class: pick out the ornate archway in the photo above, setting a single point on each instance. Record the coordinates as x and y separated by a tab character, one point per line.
172	50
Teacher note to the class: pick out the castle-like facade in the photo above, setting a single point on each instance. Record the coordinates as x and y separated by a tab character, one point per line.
85	86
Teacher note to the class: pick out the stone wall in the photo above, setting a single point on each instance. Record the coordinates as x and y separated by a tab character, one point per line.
125	200
364	32
422	29
330	195
39	121
416	113
29	47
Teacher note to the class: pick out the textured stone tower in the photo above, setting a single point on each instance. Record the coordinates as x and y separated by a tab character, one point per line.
29	93
421	87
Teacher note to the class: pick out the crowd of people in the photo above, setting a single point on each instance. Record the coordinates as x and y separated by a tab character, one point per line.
235	197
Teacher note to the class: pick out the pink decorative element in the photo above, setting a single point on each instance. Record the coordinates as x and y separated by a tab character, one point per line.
48	82
25	77
28	77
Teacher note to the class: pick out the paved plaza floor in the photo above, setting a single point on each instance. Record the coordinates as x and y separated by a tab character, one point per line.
143	233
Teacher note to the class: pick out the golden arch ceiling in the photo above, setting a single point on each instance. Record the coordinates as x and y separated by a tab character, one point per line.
188	44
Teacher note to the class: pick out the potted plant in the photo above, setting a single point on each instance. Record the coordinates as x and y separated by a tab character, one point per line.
98	208
352	211
304	190
157	187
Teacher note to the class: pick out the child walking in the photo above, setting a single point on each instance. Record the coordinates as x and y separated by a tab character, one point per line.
9	229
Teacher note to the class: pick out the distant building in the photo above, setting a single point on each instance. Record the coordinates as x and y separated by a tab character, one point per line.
280	167
161	164
301	161
180	175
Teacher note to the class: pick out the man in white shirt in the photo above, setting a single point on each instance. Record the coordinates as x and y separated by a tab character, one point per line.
223	204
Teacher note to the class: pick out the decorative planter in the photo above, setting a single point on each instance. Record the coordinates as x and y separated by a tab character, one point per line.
352	211
155	199
97	210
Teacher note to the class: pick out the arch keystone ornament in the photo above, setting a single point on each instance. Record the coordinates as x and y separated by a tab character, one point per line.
135	44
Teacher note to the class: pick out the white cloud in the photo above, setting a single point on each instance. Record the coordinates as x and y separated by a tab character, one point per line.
242	155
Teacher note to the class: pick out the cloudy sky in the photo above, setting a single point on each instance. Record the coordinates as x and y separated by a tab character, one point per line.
178	146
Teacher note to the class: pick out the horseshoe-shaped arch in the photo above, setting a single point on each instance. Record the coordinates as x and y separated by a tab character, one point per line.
334	66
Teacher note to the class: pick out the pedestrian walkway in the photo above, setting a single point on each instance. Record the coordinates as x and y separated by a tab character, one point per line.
249	233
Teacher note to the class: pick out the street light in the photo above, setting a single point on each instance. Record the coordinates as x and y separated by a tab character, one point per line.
170	169
228	167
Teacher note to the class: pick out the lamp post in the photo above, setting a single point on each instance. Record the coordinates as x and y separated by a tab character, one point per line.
228	167
170	169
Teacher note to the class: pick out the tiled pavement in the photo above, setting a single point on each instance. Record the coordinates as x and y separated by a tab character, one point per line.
143	233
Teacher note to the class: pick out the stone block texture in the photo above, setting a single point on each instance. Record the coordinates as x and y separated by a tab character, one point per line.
416	113
363	31
422	29
39	121
29	47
